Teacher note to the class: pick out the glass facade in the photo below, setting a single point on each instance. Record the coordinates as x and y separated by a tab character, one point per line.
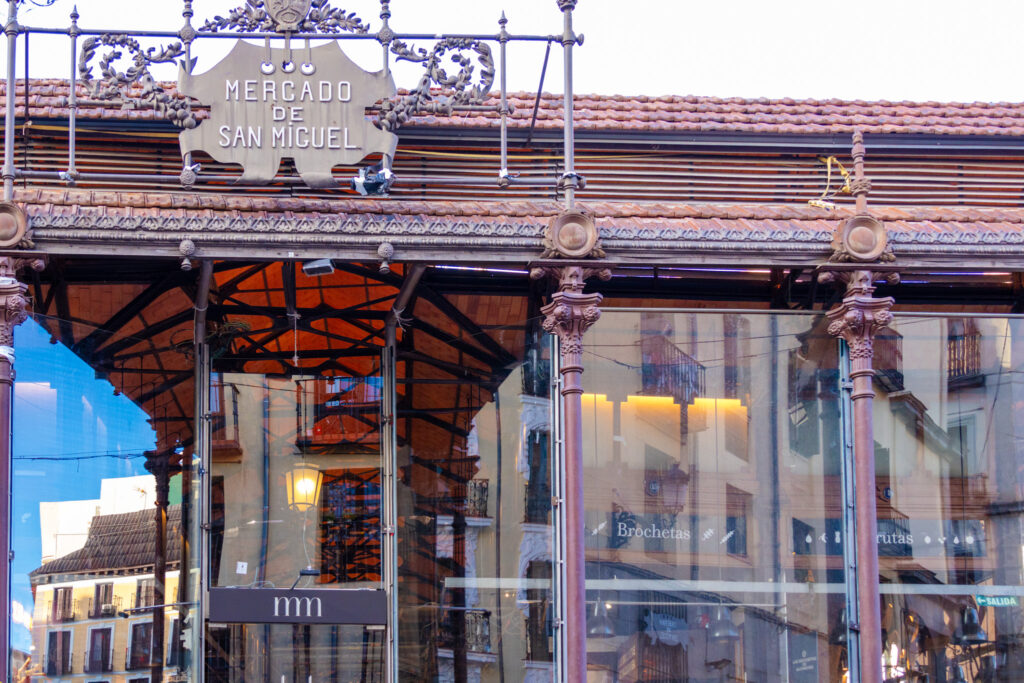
713	442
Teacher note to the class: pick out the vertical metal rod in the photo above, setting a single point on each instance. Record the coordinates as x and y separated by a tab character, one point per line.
390	494
188	36
568	40
6	406
503	40
202	449
72	98
558	517
849	512
11	31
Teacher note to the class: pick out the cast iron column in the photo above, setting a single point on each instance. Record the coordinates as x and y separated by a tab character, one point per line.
860	254
569	315
12	313
856	320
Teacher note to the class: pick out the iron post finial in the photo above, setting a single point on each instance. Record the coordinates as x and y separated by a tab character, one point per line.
74	13
566	5
385	9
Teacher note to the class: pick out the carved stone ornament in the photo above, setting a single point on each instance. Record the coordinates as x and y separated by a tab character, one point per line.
287	14
13	225
572	234
260	112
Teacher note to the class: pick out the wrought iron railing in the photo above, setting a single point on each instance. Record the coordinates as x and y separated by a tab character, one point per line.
477	628
477	491
667	370
106	608
888	359
964	352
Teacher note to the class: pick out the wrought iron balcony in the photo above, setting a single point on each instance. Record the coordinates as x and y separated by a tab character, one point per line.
964	352
477	628
100	663
477	491
667	370
888	359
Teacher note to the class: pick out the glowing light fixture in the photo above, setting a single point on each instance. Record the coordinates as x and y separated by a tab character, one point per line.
303	486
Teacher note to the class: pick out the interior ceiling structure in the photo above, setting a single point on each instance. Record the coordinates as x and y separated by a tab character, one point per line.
132	321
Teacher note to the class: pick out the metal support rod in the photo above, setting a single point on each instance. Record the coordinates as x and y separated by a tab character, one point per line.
569	172
849	518
11	31
72	172
389	464
262	35
503	40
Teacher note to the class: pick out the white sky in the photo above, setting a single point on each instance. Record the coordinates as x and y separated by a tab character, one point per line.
873	49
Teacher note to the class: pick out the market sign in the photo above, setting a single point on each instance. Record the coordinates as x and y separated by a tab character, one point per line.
308	105
303	606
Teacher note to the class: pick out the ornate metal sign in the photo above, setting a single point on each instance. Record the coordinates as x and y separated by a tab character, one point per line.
287	13
265	107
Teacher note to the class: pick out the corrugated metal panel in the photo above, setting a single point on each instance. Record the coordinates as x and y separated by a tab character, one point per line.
430	171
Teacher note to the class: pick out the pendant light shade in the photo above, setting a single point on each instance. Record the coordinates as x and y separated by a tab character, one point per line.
721	627
599	624
303	486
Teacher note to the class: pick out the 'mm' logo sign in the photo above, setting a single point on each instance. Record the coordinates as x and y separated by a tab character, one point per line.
304	606
285	607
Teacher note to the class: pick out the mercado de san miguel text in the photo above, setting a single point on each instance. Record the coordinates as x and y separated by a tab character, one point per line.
327	377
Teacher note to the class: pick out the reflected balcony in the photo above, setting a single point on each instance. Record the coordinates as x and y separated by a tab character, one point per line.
964	353
888	359
477	628
667	370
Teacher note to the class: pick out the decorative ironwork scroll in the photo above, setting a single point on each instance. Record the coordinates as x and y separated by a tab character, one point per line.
114	85
461	85
303	16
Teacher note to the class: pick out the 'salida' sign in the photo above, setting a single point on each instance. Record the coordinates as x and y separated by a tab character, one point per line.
307	104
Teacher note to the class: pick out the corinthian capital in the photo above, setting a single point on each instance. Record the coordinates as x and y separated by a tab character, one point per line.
13	312
857	320
571	313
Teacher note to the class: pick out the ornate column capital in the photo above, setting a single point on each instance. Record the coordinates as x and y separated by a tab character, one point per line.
571	312
13	312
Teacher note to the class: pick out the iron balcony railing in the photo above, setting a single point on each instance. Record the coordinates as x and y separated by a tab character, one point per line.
477	491
667	370
964	352
477	629
888	359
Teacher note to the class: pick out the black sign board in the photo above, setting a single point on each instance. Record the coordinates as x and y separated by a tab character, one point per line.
303	606
803	657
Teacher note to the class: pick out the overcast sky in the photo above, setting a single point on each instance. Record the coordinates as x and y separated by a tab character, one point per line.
873	49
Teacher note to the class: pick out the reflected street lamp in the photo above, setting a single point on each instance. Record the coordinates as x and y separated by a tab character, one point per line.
303	486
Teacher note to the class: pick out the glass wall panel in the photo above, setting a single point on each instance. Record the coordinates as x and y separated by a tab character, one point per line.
474	491
949	423
295	485
713	498
104	485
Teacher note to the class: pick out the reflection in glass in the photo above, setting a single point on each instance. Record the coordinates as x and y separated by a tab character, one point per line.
103	498
474	493
712	498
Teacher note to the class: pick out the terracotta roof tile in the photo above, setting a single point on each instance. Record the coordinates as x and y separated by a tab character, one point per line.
48	99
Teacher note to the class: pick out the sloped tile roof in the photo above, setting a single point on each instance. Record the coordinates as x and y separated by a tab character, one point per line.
120	542
47	98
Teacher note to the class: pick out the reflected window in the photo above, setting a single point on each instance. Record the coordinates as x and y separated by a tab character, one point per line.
58	653
737	505
97	658
62	609
103	600
538	487
141	645
145	593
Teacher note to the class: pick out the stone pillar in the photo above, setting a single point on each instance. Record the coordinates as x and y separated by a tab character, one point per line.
856	321
569	315
13	304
